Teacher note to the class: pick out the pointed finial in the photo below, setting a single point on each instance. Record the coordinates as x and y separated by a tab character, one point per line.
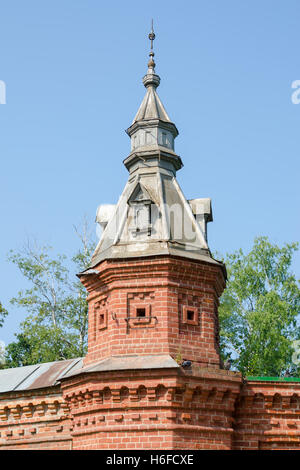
151	63
152	35
151	78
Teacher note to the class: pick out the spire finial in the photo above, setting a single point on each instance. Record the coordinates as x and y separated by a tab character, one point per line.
151	36
151	78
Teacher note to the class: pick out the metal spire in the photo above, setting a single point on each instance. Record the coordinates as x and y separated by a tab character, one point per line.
151	78
152	35
151	63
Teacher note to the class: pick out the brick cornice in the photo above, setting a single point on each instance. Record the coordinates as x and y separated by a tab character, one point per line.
179	271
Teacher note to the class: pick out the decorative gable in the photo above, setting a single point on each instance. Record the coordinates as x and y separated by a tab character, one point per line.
140	204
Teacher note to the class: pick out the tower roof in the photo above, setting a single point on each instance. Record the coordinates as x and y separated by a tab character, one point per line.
152	216
151	107
152	128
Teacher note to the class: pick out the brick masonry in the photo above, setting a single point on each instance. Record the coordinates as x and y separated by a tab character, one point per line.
159	305
37	419
164	287
268	416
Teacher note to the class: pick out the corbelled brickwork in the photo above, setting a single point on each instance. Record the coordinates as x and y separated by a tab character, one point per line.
138	410
268	416
37	419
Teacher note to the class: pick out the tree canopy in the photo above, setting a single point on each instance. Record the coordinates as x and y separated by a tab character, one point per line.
57	323
259	309
3	313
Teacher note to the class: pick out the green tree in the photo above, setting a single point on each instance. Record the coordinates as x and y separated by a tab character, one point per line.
18	353
3	313
57	324
258	310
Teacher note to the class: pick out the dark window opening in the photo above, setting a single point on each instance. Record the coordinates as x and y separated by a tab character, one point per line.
140	312
101	318
190	315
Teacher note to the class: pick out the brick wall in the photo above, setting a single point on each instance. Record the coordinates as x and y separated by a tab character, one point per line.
37	419
162	305
268	416
177	298
162	409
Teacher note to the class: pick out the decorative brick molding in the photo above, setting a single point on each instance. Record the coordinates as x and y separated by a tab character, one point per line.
141	404
268	416
34	420
190	315
147	298
100	316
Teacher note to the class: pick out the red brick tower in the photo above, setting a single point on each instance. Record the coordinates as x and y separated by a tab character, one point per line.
152	377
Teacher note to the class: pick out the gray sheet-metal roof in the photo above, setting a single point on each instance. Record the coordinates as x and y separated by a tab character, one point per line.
151	107
174	228
130	362
36	376
49	374
152	216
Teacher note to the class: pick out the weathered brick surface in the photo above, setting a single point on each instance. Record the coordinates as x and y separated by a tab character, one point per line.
268	416
38	419
169	409
159	305
163	286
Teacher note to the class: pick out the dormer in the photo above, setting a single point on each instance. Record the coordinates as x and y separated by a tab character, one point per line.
140	206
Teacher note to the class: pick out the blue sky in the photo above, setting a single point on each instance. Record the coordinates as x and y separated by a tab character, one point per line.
73	74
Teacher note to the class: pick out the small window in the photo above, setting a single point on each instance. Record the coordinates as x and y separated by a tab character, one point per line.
140	312
190	315
148	138
102	320
141	315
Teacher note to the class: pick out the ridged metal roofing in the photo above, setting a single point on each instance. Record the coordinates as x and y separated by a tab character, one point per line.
130	362
174	228
49	374
151	108
36	376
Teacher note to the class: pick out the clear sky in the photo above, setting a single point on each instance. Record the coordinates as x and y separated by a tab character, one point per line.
73	72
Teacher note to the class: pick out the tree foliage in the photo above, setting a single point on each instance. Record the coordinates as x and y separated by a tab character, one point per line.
3	313
259	309
56	327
